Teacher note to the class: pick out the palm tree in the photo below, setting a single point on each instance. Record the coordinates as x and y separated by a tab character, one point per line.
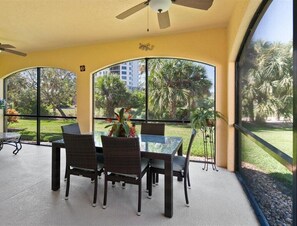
175	84
110	93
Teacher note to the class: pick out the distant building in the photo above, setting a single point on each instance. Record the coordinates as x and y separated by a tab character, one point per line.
129	73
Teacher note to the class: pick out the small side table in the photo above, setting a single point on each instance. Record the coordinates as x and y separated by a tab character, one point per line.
13	139
208	147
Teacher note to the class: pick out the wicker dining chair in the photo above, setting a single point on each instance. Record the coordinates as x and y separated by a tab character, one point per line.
72	129
123	163
180	167
153	129
81	159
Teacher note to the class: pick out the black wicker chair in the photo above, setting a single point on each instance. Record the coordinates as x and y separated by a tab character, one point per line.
71	128
180	167
74	129
123	163
81	159
153	128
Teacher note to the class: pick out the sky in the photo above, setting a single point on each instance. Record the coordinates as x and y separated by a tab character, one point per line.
277	23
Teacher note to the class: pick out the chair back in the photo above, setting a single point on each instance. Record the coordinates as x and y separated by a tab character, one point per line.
71	128
121	155
80	151
153	128
193	134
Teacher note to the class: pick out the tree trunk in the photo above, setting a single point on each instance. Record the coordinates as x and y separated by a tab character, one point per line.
61	112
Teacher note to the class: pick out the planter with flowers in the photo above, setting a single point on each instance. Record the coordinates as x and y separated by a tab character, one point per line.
122	126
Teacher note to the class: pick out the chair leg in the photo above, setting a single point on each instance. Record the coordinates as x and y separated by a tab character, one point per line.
157	178
95	190
67	186
189	184
149	183
65	177
139	199
186	191
105	192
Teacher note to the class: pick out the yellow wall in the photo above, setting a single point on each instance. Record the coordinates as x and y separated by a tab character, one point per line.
211	46
237	27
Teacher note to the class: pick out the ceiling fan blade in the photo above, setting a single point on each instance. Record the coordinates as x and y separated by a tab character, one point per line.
164	20
132	10
14	52
6	46
197	4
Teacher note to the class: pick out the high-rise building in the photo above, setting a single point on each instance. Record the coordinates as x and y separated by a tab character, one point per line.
128	71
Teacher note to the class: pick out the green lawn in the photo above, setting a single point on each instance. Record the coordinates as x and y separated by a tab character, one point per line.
280	137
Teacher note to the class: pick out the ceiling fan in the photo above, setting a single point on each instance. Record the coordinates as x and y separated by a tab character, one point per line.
8	48
162	6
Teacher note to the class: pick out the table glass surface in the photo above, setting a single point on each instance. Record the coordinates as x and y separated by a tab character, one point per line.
150	143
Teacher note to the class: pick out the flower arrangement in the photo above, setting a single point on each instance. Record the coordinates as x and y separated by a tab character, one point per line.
122	127
13	116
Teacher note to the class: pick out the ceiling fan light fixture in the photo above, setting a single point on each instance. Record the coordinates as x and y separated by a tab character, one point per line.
160	6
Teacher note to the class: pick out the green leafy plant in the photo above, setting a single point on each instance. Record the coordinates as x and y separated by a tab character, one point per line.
122	127
205	115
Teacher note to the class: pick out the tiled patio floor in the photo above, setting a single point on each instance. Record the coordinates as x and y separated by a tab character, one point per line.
26	198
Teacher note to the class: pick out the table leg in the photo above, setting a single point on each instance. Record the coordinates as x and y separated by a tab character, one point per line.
180	150
168	190
56	159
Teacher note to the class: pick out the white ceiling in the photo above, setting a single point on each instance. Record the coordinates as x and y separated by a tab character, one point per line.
35	25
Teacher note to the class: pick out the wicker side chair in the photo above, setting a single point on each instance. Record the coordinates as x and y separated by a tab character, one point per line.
123	163
153	128
71	128
180	167
81	159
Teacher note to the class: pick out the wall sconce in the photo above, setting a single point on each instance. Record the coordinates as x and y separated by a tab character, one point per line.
82	67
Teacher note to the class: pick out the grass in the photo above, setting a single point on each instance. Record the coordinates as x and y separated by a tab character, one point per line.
280	137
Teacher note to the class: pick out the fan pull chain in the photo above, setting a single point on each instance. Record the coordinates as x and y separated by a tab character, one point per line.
148	20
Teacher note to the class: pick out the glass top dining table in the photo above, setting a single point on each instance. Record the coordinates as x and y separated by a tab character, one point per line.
151	146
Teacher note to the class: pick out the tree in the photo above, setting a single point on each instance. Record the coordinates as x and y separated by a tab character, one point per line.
110	93
175	84
267	82
57	90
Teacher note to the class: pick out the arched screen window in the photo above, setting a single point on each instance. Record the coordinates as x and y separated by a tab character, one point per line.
265	112
157	90
39	101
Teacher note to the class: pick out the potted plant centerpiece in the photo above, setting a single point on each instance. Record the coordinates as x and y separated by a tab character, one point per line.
122	126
